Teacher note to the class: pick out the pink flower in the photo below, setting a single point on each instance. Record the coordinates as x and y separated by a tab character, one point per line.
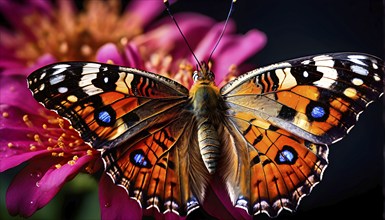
51	148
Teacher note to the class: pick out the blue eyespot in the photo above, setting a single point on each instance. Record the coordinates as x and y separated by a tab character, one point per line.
286	156
317	112
105	117
140	159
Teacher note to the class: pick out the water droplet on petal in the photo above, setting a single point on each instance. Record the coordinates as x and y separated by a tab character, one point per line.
32	202
36	174
37	184
107	204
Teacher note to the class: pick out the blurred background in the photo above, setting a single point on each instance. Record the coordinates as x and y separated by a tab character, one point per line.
352	184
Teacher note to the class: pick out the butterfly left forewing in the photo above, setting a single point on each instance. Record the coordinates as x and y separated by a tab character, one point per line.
106	103
287	113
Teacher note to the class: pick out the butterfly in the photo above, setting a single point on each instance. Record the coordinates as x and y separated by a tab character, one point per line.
265	133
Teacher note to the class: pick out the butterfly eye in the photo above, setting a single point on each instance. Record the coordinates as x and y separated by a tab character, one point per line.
210	76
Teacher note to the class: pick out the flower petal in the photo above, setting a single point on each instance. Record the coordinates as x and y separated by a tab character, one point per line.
14	92
144	11
164	36
14	12
232	49
133	57
38	183
115	202
109	52
217	203
237	49
17	67
10	162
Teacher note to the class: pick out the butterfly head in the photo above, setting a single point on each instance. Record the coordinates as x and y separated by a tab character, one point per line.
203	73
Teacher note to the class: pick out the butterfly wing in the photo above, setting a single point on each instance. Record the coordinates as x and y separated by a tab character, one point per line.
106	103
136	118
287	114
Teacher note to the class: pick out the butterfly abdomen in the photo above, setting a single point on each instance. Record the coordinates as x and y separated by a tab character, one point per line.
207	109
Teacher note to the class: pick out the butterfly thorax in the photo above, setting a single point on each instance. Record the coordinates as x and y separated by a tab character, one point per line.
208	108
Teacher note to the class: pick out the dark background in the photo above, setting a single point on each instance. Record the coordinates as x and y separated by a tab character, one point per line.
352	183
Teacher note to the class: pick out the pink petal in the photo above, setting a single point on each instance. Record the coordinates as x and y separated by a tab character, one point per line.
14	12
232	49
192	25
206	45
115	202
235	50
14	92
133	56
15	160
38	183
109	52
16	67
217	203
144	11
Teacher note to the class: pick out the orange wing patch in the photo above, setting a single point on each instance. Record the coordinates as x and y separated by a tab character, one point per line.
283	167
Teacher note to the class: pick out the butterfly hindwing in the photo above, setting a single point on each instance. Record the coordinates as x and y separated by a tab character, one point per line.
153	167
288	113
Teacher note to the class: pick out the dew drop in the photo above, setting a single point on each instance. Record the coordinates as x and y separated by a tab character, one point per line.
107	204
37	184
32	202
36	174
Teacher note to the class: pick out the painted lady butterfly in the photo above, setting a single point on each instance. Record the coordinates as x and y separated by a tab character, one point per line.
264	133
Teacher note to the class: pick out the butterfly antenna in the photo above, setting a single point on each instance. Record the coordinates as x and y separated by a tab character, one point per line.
167	4
223	29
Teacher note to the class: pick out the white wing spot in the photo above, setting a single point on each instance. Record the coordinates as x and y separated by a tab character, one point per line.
92	65
306	62
72	98
374	66
42	86
357	59
359	70
330	74
105	79
357	81
62	89
376	77
305	74
350	92
56	79
86	80
322	58
360	57
43	75
58	71
61	66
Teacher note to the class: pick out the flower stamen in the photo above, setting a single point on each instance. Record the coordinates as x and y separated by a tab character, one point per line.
5	114
32	147
27	121
71	162
36	137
